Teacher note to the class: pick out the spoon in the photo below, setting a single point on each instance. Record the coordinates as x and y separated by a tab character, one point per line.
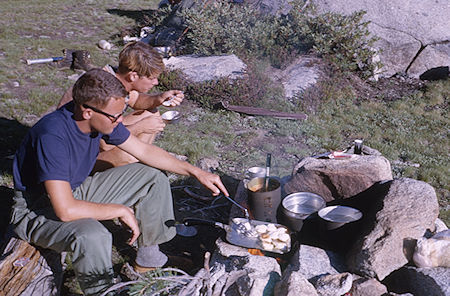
268	160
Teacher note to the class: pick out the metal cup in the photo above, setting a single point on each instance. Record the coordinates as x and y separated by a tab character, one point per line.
263	202
255	172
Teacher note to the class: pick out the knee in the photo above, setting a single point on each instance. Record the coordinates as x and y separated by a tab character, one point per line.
139	115
155	175
90	232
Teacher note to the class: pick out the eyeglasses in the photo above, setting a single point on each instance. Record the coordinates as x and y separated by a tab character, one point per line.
113	118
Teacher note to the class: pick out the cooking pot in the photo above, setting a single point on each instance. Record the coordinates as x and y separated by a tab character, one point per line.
337	216
264	198
297	206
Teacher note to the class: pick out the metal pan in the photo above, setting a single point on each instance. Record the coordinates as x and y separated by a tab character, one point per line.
249	234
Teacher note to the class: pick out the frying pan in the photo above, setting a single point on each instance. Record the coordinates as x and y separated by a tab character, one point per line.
236	236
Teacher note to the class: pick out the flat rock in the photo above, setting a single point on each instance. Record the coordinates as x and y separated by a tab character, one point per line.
314	262
294	283
200	68
338	179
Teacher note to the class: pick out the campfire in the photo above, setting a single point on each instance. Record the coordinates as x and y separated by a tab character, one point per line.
334	257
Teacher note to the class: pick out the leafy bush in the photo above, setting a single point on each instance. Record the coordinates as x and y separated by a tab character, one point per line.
223	27
344	40
253	89
226	28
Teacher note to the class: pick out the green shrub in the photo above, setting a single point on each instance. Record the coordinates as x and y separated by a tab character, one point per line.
344	40
226	28
254	89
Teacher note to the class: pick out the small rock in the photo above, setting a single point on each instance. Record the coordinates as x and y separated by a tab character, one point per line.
103	44
334	284
433	252
367	287
179	157
16	84
208	164
440	225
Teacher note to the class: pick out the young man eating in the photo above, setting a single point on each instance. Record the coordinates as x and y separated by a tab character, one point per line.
57	205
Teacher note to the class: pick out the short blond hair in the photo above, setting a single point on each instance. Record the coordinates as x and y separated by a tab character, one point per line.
141	58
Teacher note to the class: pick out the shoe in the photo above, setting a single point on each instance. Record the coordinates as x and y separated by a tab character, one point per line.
67	60
141	269
180	262
81	60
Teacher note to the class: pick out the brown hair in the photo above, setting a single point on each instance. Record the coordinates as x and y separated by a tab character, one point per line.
98	87
141	58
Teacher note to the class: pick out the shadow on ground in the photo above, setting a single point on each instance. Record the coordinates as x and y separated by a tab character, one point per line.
11	134
139	16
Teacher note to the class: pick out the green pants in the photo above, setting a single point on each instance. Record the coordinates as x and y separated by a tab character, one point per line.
143	188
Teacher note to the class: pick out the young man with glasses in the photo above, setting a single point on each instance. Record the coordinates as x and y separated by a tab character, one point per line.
139	68
57	205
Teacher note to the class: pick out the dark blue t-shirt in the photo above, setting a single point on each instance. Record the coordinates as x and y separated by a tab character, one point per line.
56	149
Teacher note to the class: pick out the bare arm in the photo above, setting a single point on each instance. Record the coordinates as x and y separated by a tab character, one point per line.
161	159
67	208
151	101
136	123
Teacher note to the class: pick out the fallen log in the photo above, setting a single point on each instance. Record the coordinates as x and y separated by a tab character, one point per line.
26	270
262	112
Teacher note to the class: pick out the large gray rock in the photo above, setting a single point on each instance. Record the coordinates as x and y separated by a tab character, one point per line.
398	50
337	179
314	262
299	75
432	56
404	28
257	274
198	69
420	281
294	283
408	209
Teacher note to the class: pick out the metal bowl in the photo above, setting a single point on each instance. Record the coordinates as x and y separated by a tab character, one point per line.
171	116
296	207
337	216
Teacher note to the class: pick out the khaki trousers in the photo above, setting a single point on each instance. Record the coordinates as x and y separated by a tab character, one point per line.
145	189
